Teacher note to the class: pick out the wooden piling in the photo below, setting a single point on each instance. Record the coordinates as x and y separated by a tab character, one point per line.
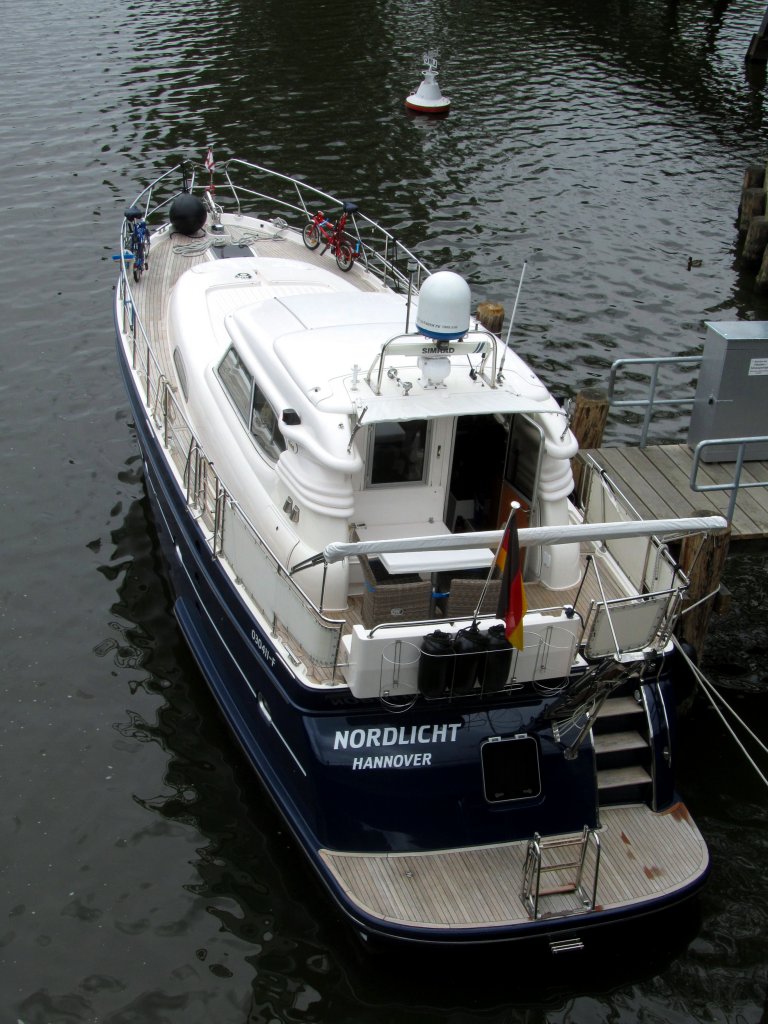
753	222
761	281
752	205
757	52
590	414
702	559
756	240
754	177
491	316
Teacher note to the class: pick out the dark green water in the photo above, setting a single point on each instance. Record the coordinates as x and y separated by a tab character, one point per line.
145	878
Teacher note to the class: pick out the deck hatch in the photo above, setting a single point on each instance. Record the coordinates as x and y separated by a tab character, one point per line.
511	769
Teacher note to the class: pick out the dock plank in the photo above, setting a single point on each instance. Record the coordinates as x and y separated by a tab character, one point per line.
665	481
670	463
681	458
656	482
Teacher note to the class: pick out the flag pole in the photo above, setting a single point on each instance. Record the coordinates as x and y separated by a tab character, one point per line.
514	508
210	166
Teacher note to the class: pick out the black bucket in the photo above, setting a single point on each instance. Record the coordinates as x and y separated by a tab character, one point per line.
469	646
498	661
436	664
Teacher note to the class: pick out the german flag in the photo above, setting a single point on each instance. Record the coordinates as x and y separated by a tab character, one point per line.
512	602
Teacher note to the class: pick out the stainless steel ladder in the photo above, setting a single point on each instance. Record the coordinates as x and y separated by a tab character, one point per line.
565	860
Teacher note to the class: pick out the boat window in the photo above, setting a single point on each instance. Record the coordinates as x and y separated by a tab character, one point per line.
398	453
511	769
265	427
253	407
181	372
237	382
523	460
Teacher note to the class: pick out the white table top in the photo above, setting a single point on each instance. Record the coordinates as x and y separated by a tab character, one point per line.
436	560
389	531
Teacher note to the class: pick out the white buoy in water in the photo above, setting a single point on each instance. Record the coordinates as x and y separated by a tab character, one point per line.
428	99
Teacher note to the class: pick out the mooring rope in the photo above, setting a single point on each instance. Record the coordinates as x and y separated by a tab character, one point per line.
711	693
222	238
711	594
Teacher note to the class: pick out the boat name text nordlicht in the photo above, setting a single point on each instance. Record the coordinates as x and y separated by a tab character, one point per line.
393	736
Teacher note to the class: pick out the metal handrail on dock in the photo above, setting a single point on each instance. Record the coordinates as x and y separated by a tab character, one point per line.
735	482
738	445
651	402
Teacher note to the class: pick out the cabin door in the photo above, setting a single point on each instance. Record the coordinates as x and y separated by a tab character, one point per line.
522	465
477	464
520	483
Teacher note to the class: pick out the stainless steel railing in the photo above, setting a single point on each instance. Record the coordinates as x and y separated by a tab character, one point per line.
383	253
734	483
233	538
651	402
738	445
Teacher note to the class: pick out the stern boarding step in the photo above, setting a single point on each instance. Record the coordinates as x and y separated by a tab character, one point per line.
622	752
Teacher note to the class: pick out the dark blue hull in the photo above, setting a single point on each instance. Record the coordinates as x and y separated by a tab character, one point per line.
318	752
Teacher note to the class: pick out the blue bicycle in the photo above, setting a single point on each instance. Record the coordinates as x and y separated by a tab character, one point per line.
138	241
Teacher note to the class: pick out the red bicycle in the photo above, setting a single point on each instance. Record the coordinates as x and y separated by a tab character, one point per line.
345	249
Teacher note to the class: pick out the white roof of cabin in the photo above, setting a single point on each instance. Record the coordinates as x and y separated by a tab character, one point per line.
313	326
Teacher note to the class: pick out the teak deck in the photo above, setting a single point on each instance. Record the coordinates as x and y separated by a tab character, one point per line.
645	856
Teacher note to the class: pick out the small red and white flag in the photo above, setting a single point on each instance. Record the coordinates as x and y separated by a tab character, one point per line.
209	162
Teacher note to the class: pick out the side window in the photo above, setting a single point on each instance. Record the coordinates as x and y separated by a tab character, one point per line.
181	372
255	411
264	426
237	382
398	453
523	462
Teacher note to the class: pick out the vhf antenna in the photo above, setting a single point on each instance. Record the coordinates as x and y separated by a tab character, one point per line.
499	377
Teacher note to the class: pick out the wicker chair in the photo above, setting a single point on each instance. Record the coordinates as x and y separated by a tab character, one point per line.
401	598
464	595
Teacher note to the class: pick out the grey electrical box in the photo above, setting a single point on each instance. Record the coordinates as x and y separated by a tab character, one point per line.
732	392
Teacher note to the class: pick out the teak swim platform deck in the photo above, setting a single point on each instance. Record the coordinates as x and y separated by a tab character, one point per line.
643	858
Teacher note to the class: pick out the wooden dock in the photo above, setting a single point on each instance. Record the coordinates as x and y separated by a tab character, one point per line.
656	482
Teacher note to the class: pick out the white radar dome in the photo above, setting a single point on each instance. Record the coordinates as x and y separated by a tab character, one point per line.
444	306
